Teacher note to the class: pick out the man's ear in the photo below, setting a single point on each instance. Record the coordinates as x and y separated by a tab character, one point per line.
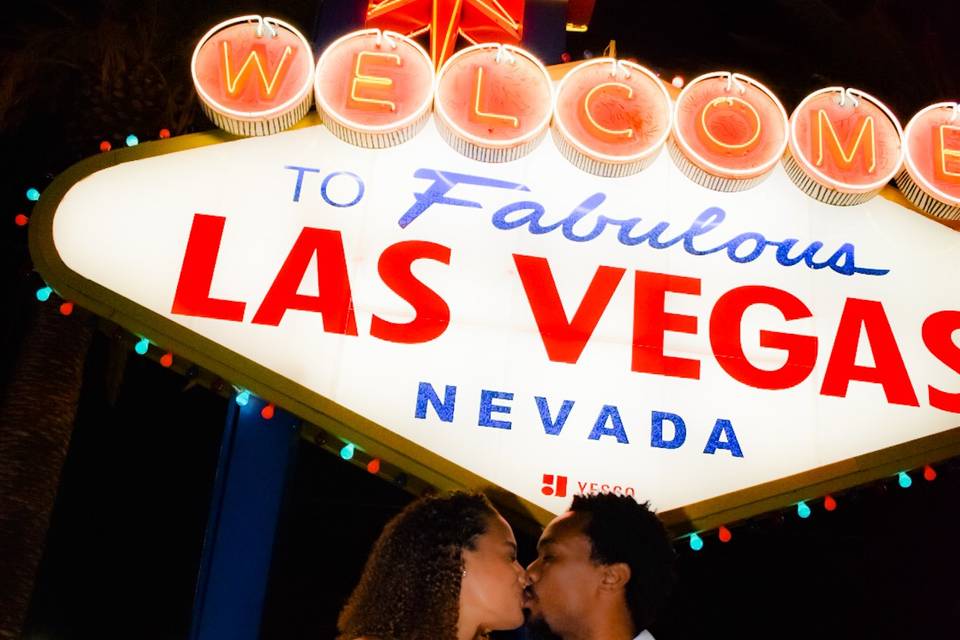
615	576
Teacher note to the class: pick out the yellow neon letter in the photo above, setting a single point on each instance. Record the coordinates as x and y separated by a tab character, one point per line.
840	156
377	81
624	133
499	117
237	83
730	101
952	152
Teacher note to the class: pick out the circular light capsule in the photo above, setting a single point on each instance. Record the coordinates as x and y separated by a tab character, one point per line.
493	102
254	75
729	131
374	89
845	145
611	117
930	178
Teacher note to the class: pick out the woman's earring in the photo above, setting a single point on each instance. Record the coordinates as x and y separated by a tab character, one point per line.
464	573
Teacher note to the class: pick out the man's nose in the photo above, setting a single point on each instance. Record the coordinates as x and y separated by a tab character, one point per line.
533	571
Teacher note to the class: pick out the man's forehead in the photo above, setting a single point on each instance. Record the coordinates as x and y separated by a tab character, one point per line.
564	528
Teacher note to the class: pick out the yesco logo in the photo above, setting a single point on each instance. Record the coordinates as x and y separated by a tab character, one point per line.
556	486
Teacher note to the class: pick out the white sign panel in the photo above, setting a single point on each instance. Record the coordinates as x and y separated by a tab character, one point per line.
545	329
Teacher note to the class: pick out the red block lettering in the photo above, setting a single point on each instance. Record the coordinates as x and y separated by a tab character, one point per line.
650	322
334	300
889	370
432	313
192	297
563	340
725	338
937	332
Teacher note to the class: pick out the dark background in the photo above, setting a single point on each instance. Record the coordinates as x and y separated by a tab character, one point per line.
126	535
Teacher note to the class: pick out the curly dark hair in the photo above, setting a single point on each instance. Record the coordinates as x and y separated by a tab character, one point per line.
410	586
622	530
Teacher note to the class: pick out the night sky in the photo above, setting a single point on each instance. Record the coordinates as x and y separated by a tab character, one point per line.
127	529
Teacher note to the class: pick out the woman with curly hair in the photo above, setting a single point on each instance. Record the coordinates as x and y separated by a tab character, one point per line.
445	568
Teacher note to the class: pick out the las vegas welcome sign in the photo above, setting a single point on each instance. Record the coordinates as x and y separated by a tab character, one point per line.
486	275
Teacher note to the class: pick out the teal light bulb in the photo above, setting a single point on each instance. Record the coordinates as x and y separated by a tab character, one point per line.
43	294
905	479
142	347
803	510
696	542
347	451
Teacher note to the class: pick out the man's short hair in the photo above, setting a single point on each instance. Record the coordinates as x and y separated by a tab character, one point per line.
622	530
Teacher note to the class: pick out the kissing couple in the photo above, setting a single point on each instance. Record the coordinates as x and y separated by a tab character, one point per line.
445	568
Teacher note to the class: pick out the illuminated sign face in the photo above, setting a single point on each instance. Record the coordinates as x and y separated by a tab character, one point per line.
253	75
611	117
493	102
528	325
845	145
931	176
729	131
374	89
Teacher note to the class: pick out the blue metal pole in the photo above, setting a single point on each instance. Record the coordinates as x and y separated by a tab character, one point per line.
256	458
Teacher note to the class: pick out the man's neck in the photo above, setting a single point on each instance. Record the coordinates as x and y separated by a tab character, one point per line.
613	624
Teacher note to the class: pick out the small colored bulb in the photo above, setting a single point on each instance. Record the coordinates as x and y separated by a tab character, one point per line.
267	412
374	466
905	479
829	503
724	534
929	474
677	82
21	220
164	133
166	359
43	293
33	195
132	140
696	543
142	346
66	308
105	146
803	510
347	451
243	397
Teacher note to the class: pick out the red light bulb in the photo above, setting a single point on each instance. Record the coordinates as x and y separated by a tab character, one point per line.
267	412
829	503
164	133
21	220
724	534
166	359
374	466
105	146
66	308
929	474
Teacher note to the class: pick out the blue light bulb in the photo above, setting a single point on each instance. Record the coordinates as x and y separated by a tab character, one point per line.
347	452
696	543
242	398
132	140
803	510
142	347
33	195
43	294
905	479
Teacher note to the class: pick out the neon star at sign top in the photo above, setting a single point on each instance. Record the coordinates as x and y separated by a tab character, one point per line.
478	21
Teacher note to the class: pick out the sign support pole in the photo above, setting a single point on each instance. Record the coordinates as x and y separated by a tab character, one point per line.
256	457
